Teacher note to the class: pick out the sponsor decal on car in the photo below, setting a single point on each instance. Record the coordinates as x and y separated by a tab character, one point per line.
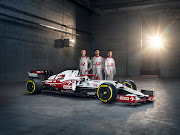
40	72
95	85
123	98
67	87
91	93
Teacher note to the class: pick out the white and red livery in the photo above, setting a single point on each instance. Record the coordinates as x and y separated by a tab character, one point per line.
110	68
83	65
97	66
70	81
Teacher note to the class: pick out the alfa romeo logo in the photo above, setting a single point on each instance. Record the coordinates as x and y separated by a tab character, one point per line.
132	99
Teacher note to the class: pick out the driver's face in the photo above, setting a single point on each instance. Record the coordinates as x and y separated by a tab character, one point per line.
83	52
97	52
110	54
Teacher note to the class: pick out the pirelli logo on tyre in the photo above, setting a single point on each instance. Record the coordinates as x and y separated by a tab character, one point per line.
30	86
110	95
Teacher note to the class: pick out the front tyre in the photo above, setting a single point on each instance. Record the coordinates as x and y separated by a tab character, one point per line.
107	93
34	86
130	84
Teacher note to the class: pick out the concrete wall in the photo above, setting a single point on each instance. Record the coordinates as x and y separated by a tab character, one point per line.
170	51
110	34
122	33
83	41
133	38
24	47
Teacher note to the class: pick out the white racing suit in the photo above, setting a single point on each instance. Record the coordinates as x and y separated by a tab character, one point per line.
110	68
83	65
97	66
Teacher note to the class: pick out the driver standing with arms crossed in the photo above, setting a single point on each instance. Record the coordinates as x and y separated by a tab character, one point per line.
84	61
110	68
97	64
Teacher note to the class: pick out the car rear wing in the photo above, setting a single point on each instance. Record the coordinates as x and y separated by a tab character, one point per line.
35	74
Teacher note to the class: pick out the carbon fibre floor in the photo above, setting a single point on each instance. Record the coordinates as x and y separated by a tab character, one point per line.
52	113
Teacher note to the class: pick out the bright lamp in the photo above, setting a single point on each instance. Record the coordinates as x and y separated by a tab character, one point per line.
156	41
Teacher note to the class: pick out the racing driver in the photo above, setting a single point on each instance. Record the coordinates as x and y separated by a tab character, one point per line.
110	68
97	64
84	62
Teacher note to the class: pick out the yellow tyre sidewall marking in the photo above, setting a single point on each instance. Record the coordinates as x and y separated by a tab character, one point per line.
128	84
104	86
33	84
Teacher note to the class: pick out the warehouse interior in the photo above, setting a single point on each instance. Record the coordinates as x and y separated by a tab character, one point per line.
143	36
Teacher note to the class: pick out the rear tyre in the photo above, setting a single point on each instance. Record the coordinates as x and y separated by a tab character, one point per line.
107	93
130	84
34	86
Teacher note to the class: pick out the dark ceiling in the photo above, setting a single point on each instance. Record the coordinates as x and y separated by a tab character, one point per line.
113	4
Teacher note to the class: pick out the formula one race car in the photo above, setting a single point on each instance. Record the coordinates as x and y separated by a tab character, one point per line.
87	85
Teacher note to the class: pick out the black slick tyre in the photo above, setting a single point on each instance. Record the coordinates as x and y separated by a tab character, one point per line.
130	84
107	93
34	86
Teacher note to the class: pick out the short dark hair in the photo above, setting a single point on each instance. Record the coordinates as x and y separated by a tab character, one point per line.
97	49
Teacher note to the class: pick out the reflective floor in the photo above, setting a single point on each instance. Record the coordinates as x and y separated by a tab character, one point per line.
53	113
